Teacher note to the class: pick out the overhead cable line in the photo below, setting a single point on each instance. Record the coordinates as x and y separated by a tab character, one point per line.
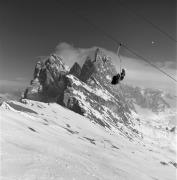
117	42
147	21
146	60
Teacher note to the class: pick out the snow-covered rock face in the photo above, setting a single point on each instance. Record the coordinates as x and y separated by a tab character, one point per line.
85	90
99	105
99	67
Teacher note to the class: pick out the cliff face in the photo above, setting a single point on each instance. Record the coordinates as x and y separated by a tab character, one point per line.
49	80
75	70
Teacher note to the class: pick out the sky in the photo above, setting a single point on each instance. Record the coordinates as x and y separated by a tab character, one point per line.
29	29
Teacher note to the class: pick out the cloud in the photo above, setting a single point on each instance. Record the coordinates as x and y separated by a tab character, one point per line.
68	52
64	46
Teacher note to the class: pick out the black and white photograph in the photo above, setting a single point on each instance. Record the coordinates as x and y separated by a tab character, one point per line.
88	90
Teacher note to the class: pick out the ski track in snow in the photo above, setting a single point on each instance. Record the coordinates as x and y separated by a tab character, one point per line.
55	143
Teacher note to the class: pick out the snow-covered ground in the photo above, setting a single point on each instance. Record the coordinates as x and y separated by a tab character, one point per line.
41	141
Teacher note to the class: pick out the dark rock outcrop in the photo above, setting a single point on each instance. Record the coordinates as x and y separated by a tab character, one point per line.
49	80
75	70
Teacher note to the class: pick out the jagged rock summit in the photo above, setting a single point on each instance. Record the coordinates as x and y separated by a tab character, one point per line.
50	75
48	79
86	90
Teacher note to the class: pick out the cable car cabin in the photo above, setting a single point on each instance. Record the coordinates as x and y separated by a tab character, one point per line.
119	77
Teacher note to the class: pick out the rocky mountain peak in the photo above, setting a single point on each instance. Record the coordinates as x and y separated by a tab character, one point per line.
85	90
99	66
55	61
48	79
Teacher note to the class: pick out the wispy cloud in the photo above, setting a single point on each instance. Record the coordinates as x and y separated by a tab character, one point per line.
68	52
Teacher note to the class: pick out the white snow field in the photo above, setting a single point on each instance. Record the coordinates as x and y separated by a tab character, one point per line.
41	141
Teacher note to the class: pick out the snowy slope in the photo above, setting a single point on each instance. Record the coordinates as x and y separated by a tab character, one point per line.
47	141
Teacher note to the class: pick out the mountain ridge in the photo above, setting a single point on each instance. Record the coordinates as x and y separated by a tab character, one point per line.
87	90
